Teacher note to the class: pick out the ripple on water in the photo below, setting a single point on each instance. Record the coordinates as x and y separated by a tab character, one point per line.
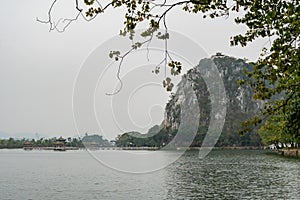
230	174
234	175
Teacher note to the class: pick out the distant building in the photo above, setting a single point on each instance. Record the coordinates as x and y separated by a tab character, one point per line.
60	144
219	54
27	146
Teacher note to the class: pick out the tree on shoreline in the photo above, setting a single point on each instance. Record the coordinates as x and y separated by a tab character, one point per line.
49	142
276	72
13	143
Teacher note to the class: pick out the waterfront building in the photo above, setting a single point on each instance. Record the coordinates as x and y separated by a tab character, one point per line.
60	144
27	146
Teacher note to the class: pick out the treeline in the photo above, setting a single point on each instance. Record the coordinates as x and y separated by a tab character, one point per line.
159	137
275	132
95	140
154	138
12	143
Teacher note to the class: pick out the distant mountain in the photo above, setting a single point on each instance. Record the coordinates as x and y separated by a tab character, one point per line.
95	141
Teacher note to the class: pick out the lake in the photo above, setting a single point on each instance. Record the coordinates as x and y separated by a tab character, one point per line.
224	174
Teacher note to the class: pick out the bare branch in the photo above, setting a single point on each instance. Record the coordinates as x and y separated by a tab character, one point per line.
68	21
49	21
121	62
170	8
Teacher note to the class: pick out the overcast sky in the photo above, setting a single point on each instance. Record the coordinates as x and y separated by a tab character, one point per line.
38	70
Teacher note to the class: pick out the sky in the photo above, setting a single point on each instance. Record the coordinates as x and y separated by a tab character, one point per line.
44	76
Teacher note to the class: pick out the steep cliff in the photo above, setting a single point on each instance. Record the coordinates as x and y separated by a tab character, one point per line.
238	100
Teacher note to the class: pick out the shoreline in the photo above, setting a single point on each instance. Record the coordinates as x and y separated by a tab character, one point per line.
144	148
232	148
289	152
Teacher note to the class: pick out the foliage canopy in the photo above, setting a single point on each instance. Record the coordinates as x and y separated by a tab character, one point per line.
275	78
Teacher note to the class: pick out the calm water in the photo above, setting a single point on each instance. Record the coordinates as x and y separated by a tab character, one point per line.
45	175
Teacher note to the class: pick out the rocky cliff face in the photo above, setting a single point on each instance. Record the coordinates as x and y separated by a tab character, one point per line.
238	100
